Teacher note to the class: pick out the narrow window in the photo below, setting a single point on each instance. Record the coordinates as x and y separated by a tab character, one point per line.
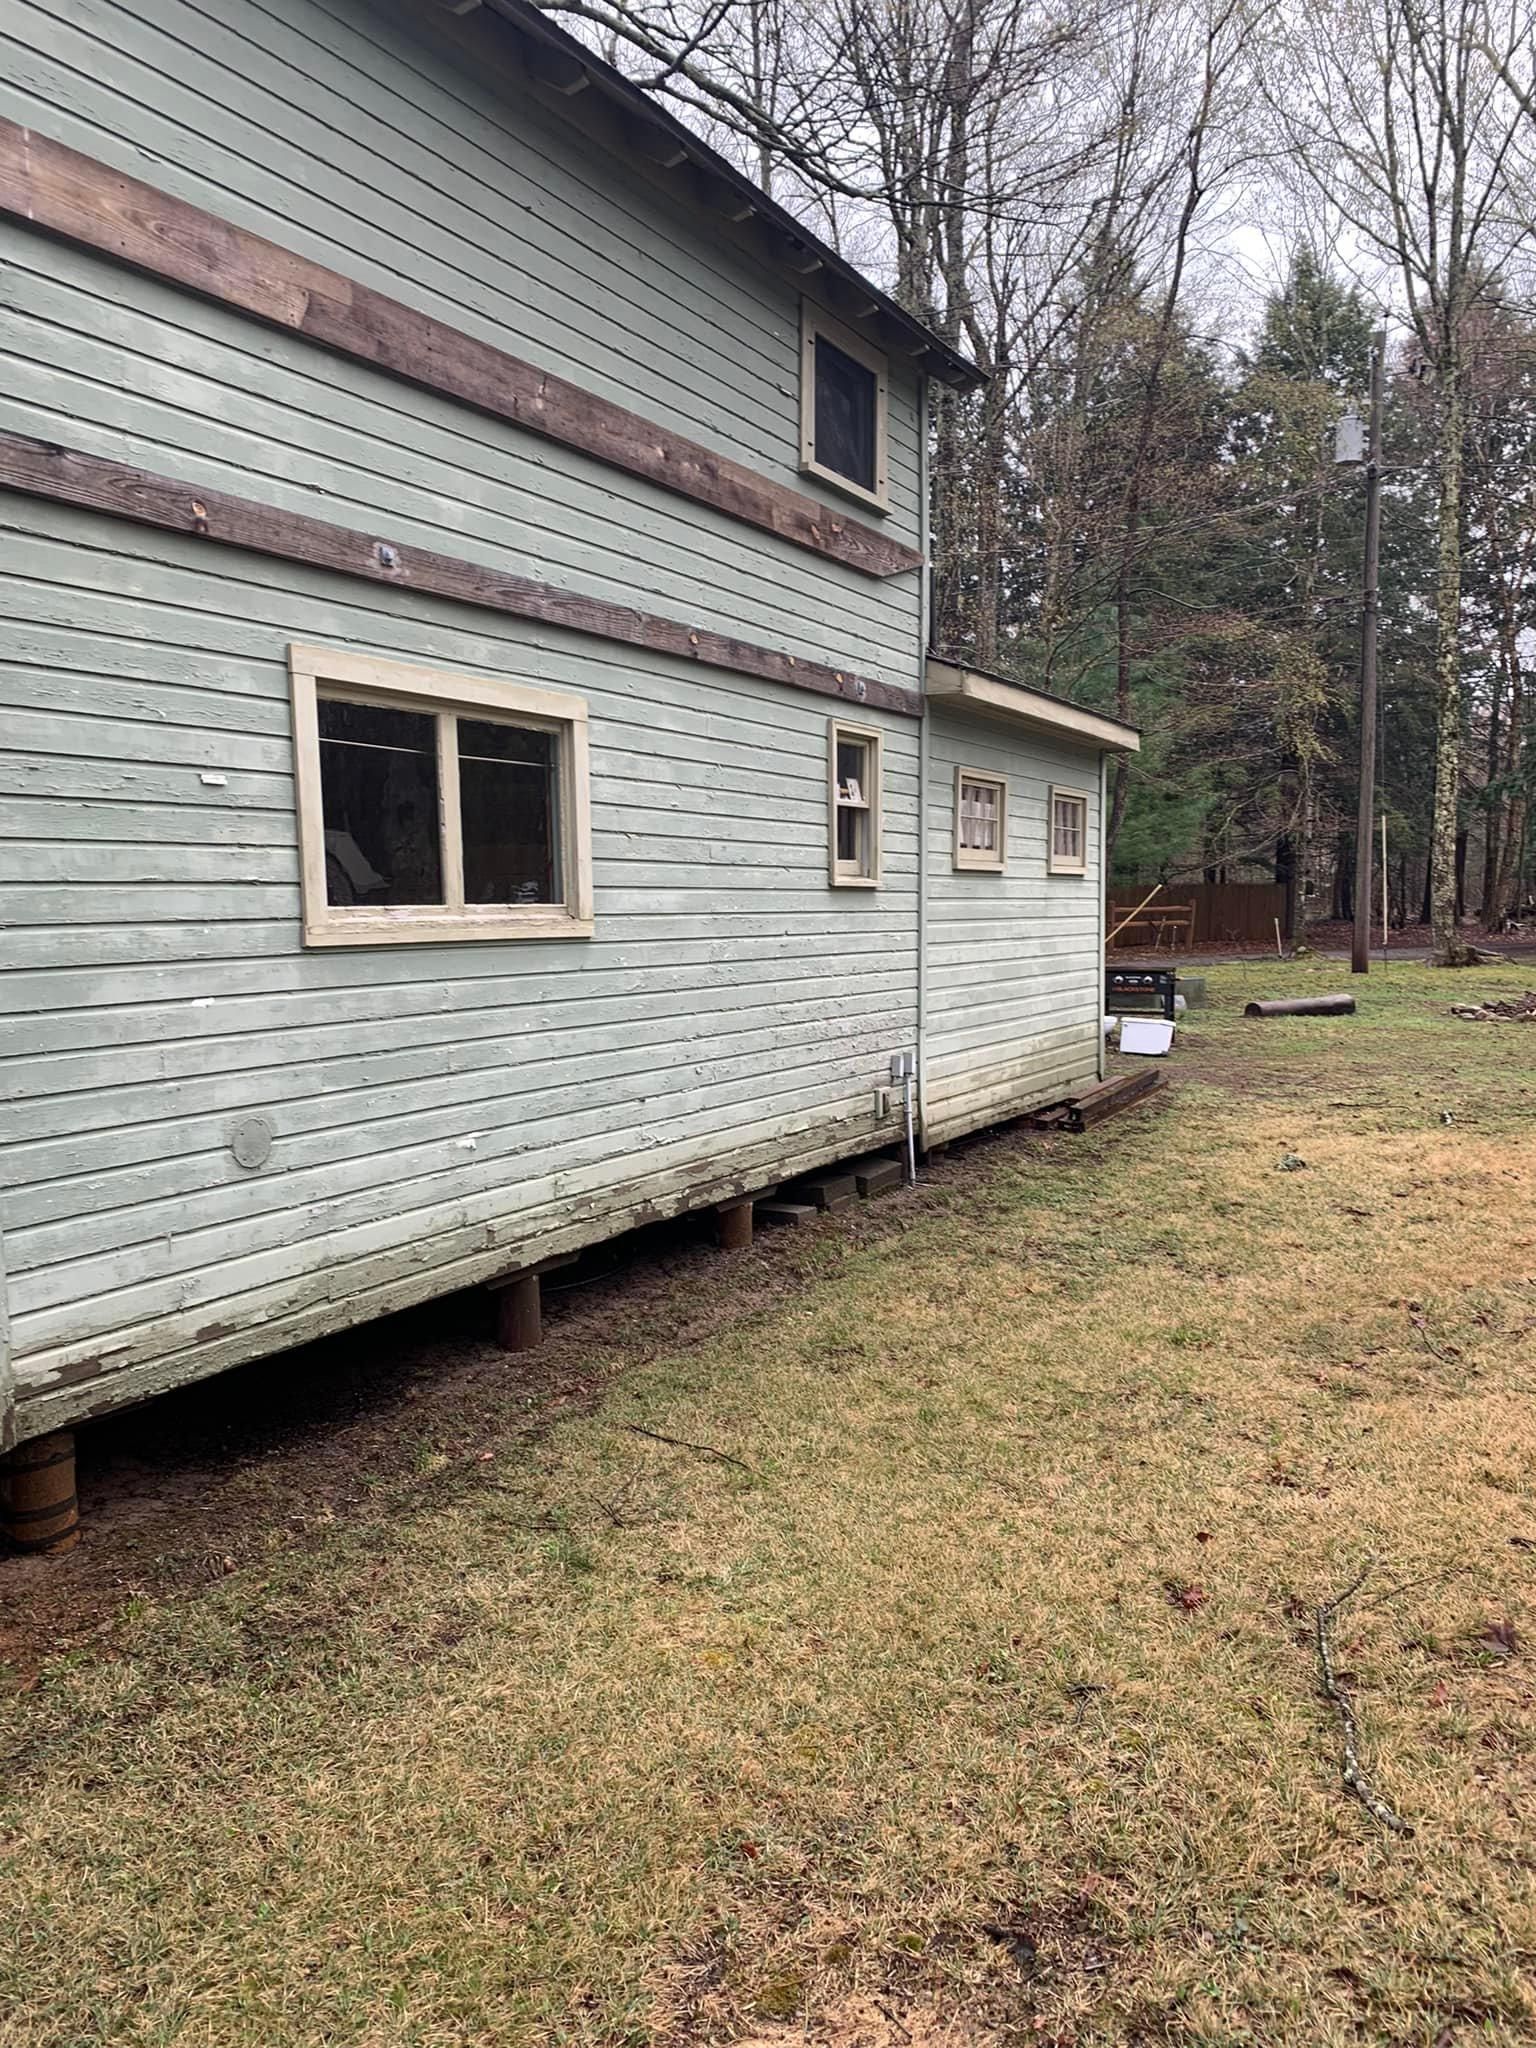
853	762
843	404
437	806
846	402
981	821
1069	833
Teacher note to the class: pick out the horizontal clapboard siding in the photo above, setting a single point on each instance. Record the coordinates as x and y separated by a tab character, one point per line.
1012	974
391	162
439	1112
334	130
125	368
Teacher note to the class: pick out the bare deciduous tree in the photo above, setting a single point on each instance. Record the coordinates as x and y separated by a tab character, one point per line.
1406	117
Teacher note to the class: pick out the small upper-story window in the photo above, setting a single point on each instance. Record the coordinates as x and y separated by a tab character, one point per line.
853	764
842	409
437	806
981	820
1069	832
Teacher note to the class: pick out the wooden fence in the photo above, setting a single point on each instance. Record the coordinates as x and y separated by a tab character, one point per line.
1187	915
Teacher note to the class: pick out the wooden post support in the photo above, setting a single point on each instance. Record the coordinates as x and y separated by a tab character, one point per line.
38	1507
733	1226
519	1315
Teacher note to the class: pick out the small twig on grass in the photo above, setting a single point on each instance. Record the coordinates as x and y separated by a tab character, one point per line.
1007	1486
1441	1578
1082	1692
1445	1357
1355	1780
683	1443
615	1510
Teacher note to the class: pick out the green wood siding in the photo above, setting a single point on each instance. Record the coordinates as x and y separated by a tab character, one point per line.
1013	987
437	1110
440	1112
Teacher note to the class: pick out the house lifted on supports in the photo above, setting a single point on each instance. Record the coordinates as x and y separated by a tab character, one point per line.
473	779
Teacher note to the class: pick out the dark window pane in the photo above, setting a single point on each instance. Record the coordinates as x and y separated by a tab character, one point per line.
480	740
378	785
377	725
851	770
846	395
850	835
509	803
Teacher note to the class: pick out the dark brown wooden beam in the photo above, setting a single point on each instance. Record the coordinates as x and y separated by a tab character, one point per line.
86	202
45	470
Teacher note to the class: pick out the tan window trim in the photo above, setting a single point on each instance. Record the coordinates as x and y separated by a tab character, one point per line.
814	322
1064	864
445	692
844	874
978	860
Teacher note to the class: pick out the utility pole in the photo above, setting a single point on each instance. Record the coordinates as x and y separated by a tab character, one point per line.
1360	951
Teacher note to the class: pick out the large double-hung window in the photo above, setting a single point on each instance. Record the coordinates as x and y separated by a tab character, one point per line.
435	806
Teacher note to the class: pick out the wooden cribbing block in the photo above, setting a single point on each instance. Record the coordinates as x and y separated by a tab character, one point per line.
831	1192
876	1176
786	1215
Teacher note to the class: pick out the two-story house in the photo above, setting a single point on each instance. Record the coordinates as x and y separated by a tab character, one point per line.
472	776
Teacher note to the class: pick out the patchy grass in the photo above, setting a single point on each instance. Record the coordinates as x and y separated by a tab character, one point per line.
987	1696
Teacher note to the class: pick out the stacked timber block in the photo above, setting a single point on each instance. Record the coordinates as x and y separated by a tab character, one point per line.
833	1192
782	1215
876	1176
1082	1112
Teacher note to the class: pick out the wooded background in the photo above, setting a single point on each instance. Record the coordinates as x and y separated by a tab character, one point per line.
1168	230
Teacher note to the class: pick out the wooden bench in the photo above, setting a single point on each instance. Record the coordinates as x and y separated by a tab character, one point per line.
1175	921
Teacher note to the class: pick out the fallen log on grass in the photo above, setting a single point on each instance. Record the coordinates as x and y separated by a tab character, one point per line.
1304	1006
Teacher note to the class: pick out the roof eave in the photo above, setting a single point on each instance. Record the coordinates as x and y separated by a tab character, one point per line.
565	70
958	687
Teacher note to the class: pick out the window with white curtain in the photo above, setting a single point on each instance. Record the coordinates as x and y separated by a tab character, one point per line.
981	821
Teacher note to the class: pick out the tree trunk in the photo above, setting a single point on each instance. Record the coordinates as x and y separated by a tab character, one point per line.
1451	950
1493	809
1287	874
1194	191
1344	878
1463	842
1506	888
989	490
1500	898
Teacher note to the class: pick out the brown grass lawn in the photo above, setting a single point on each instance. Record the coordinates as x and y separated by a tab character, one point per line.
977	1703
